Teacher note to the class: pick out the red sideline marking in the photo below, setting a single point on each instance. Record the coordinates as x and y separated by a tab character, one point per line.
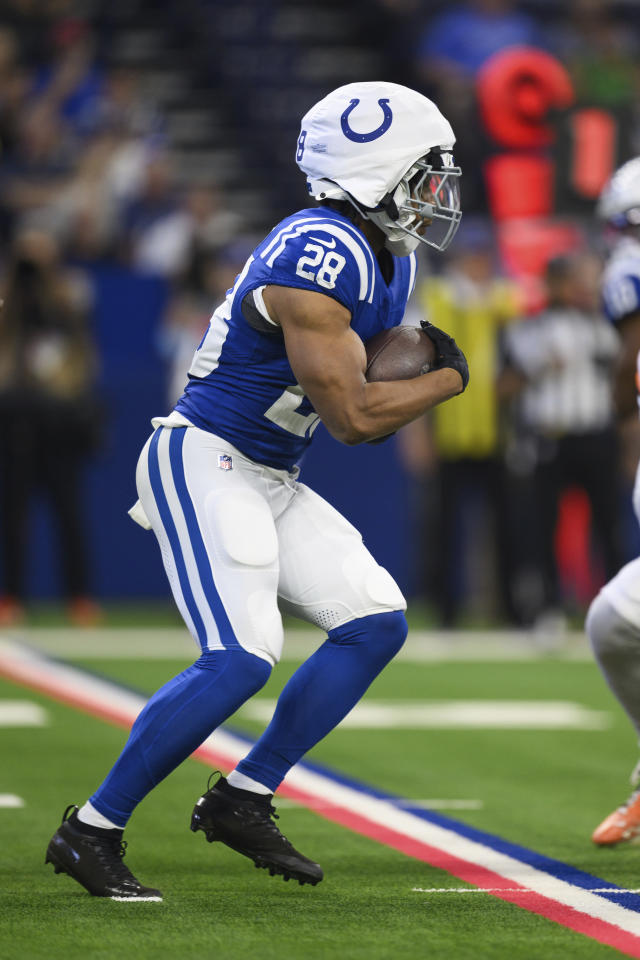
478	876
471	873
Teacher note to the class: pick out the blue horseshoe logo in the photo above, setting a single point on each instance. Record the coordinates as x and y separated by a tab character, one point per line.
366	137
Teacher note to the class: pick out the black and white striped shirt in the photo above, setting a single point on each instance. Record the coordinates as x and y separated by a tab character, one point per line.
566	356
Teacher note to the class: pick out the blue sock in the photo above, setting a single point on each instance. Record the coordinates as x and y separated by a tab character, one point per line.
175	722
322	691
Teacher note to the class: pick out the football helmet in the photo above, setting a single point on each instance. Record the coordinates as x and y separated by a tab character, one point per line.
619	202
385	149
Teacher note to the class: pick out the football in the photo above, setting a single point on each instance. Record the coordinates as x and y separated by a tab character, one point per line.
399	354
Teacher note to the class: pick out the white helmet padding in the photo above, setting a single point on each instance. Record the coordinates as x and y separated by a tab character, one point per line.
619	202
386	149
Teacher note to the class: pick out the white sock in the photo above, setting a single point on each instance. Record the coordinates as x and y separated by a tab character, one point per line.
90	815
241	782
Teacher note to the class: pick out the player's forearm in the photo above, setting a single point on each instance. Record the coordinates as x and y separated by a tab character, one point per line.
382	408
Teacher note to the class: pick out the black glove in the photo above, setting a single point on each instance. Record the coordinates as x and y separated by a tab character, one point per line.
449	353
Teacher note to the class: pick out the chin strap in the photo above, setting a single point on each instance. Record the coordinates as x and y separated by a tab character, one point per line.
402	246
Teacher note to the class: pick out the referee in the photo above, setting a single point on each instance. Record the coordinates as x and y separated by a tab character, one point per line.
559	364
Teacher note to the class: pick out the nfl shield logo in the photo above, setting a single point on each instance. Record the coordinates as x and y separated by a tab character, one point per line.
225	462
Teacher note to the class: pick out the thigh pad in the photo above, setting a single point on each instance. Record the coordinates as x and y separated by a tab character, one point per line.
245	526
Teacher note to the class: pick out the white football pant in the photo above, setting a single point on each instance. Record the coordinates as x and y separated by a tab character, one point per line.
237	537
613	627
623	590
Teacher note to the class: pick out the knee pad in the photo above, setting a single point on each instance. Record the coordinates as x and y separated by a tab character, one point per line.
359	588
608	632
376	584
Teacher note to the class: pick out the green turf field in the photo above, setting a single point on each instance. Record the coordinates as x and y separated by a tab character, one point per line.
542	789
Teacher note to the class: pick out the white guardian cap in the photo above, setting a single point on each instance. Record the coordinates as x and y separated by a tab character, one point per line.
387	150
619	202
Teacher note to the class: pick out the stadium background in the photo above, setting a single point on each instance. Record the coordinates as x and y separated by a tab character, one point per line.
122	120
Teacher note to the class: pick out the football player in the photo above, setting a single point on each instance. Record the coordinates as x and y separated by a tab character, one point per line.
613	620
217	479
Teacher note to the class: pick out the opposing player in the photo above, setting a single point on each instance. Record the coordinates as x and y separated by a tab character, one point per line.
217	480
613	620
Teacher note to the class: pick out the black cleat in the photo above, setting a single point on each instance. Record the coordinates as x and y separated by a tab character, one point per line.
95	861
246	825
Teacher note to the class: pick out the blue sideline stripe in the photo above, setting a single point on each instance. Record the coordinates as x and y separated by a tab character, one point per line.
203	563
172	533
555	868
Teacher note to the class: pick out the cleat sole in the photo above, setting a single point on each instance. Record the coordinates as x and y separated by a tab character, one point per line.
137	899
275	870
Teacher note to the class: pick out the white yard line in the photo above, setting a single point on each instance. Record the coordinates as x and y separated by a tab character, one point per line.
457	715
22	713
162	643
10	801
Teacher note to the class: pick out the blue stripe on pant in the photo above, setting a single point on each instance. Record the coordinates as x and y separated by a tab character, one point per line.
176	443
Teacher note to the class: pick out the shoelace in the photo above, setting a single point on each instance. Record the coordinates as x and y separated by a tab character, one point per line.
111	853
262	812
265	816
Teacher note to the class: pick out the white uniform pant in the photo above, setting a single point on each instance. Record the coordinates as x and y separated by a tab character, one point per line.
237	537
623	590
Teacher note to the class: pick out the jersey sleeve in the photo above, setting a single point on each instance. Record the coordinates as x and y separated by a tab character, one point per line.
621	295
330	258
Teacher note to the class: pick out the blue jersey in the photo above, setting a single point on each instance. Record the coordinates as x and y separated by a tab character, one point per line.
241	385
621	281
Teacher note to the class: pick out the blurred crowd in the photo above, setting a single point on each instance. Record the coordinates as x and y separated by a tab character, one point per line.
92	171
88	175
